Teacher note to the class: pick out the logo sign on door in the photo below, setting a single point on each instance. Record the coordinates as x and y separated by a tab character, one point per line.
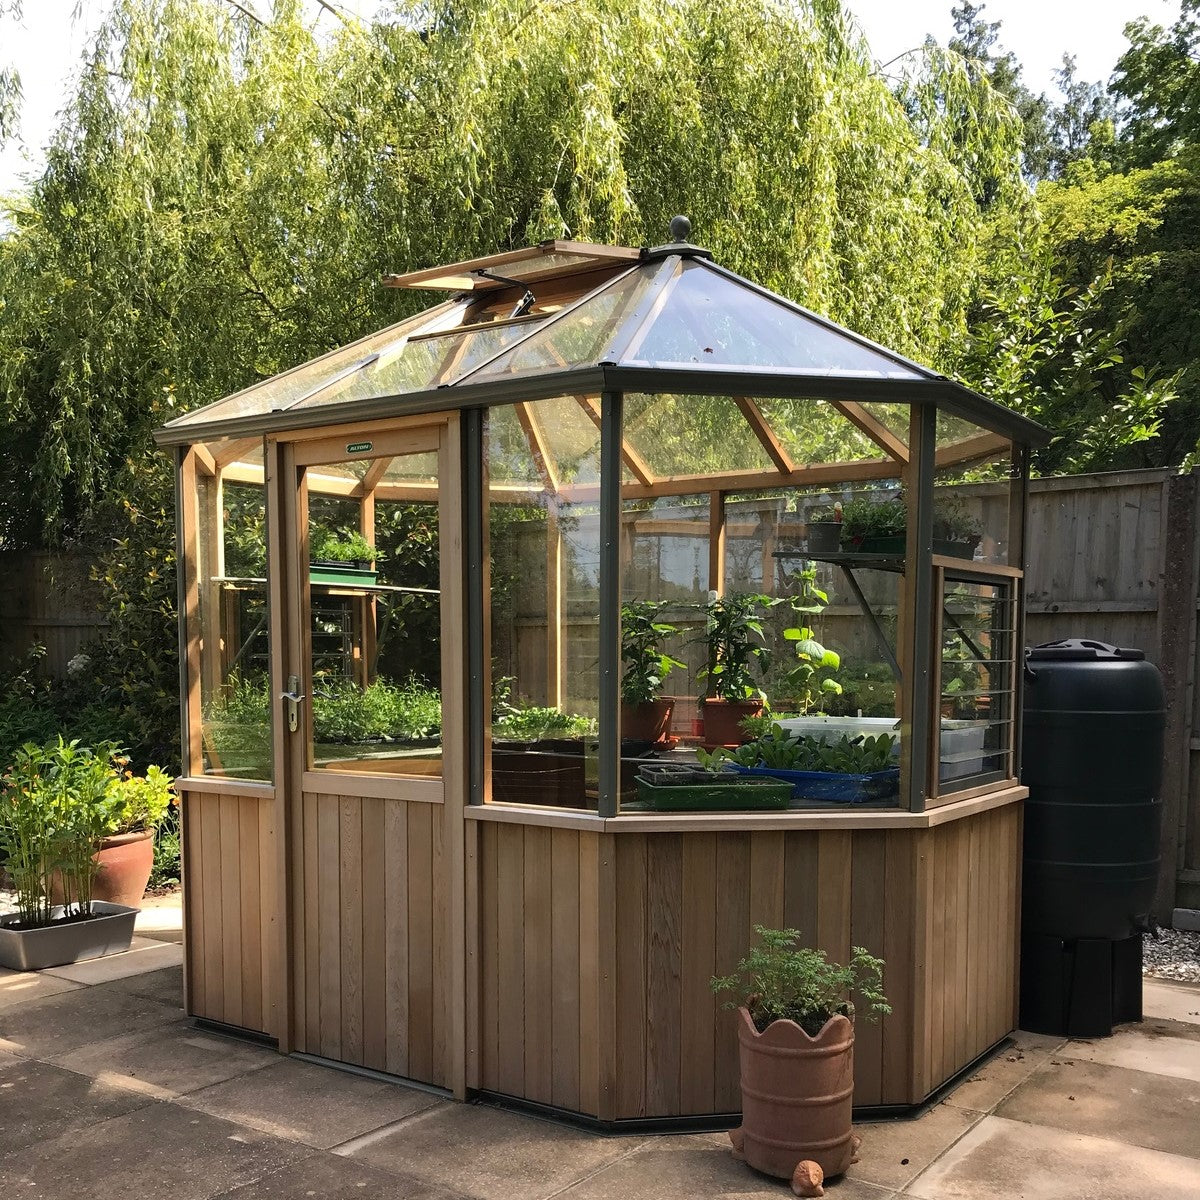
359	447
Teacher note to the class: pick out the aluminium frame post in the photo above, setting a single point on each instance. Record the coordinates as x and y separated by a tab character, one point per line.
918	595
189	768
611	422
473	583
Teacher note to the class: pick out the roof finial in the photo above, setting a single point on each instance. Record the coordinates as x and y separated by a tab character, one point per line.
681	229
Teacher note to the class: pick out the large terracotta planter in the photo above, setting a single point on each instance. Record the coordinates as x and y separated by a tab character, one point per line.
126	860
647	722
722	720
797	1093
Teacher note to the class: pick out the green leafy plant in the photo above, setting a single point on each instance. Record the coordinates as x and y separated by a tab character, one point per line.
735	639
382	711
782	751
342	545
141	800
533	723
642	658
953	521
867	517
57	801
811	679
781	981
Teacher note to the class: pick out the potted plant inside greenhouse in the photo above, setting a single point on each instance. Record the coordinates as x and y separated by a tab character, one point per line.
823	530
796	1051
874	525
57	804
735	640
342	556
956	531
645	714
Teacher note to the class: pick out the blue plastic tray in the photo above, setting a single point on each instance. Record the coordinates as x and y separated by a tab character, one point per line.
833	785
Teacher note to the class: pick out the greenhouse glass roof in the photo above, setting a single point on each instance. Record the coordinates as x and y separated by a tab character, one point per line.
565	317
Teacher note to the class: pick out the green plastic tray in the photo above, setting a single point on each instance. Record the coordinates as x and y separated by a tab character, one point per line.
748	795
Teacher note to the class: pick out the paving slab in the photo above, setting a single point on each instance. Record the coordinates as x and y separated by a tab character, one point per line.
895	1152
78	1018
158	1152
1175	1001
20	988
331	1177
38	1101
490	1154
1001	1159
991	1082
143	954
306	1103
1144	1047
165	986
667	1168
167	1062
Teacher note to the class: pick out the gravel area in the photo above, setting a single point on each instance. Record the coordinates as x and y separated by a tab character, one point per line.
1175	955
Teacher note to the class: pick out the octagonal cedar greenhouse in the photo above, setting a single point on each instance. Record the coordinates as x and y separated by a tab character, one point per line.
422	833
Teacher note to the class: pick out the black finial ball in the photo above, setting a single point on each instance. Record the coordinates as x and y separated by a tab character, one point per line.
681	229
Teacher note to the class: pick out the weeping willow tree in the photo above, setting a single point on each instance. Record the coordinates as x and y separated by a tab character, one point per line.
226	189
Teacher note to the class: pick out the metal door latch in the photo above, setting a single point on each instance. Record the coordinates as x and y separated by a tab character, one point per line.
293	699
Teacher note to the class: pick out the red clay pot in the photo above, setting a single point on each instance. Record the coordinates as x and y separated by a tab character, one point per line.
797	1093
722	717
647	722
126	860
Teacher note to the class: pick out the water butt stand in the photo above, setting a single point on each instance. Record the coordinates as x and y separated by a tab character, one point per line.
1092	759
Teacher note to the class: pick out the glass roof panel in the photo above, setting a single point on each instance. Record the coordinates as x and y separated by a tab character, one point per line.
893	417
951	428
814	431
423	362
283	390
517	435
692	435
709	319
581	336
550	260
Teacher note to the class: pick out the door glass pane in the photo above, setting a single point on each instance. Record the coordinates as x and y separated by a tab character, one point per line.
375	617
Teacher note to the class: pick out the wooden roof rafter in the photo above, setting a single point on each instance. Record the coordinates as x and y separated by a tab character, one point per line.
968	450
636	464
374	476
531	426
766	435
875	429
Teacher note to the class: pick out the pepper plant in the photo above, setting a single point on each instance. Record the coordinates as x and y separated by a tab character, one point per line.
735	638
644	662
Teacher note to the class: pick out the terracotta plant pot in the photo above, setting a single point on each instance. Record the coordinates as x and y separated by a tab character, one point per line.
797	1093
126	860
722	720
647	722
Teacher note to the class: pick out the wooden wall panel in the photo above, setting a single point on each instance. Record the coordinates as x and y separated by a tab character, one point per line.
229	907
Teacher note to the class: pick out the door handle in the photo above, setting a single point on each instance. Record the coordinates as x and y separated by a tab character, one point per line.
293	699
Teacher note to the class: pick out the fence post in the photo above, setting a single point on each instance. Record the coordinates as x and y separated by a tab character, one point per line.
1176	656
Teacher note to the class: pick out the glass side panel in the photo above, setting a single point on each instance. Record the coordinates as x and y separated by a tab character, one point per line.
232	579
692	435
375	626
585	334
973	492
423	363
544	617
283	390
976	670
815	431
711	320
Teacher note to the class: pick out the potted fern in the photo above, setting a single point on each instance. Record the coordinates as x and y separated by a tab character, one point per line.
796	1050
645	715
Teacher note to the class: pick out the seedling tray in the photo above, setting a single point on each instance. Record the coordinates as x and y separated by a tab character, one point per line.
838	786
328	571
726	793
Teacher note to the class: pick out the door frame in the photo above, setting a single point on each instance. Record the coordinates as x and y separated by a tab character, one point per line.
287	457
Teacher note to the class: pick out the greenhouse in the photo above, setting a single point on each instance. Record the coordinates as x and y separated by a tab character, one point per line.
538	647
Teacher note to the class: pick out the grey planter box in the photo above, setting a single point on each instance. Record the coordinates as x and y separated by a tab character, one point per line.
52	946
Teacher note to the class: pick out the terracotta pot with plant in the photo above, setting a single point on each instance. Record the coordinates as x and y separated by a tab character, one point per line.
736	643
645	715
796	1049
126	855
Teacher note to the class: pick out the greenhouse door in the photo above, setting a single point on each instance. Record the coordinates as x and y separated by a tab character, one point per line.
371	719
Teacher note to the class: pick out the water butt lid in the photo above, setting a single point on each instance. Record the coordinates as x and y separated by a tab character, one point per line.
1083	650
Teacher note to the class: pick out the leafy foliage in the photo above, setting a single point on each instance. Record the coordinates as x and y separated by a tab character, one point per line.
644	664
343	545
781	750
781	981
736	641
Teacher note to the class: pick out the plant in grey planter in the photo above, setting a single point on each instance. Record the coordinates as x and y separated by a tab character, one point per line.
56	803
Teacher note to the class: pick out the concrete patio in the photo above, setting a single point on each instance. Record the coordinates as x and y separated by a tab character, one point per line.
105	1085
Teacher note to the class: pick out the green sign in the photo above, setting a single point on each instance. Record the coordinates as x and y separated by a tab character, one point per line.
358	447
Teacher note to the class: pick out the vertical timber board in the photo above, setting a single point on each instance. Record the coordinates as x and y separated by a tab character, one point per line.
270	919
329	931
900	909
867	905
733	939
664	897
698	964
374	935
510	946
597	1027
421	1015
210	899
766	878
566	948
489	963
834	867
193	884
537	900
631	974
308	964
351	925
800	884
250	920
396	935
440	936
